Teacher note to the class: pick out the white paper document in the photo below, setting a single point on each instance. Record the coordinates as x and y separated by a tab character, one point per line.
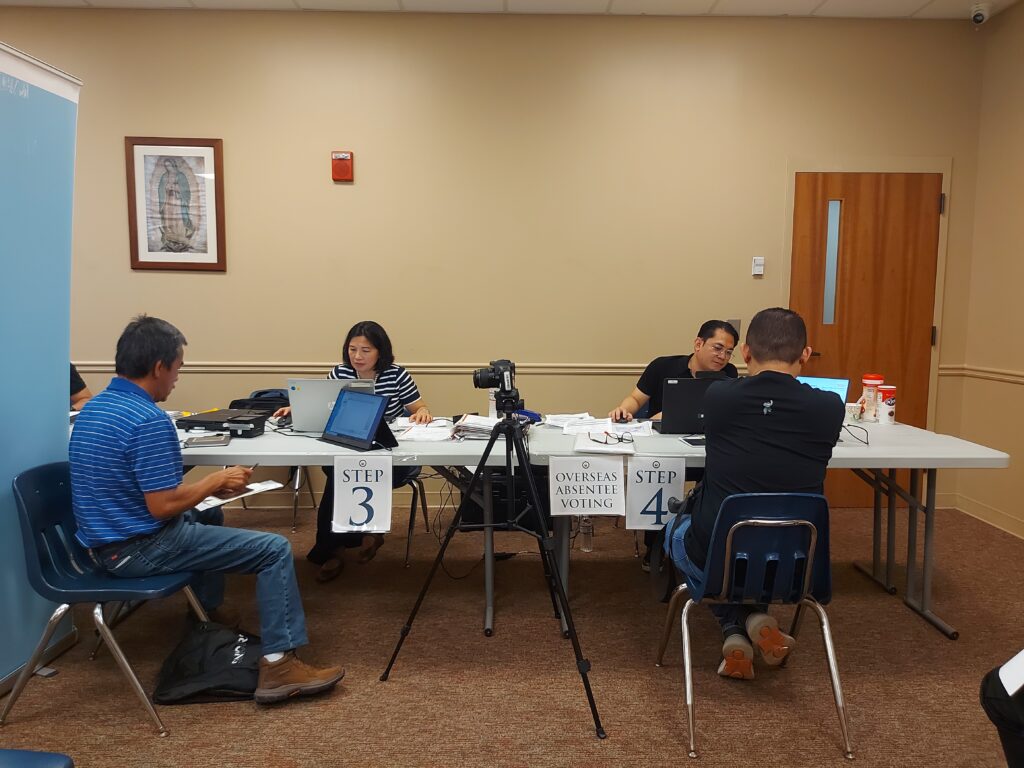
561	419
581	426
1011	674
426	433
215	501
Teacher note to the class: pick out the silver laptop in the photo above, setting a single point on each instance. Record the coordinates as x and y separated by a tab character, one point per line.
312	400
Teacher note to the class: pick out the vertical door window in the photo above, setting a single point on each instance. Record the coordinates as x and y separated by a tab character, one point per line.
828	313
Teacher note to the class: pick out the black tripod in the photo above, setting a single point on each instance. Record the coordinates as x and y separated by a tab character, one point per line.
510	428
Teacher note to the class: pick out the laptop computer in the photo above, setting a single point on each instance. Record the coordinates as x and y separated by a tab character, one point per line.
682	406
837	386
312	400
357	421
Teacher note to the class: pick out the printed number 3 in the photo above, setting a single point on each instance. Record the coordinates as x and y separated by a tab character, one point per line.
365	504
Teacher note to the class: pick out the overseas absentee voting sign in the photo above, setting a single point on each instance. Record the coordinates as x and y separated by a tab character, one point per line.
591	485
651	483
362	494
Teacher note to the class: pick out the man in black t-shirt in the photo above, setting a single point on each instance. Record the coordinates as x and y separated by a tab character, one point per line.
80	393
766	433
716	340
712	349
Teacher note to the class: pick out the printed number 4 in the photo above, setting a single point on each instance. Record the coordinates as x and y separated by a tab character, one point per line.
365	504
658	511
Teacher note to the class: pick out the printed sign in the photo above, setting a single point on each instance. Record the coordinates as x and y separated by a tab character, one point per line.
591	485
362	494
652	482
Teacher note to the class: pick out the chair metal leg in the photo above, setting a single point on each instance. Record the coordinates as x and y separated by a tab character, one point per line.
833	671
309	485
30	665
295	501
412	519
688	676
122	662
793	629
197	607
115	610
423	505
674	609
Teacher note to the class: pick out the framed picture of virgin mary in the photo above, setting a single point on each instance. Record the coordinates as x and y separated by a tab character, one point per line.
176	203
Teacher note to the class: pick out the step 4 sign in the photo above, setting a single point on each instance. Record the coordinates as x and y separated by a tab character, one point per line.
362	494
591	485
652	482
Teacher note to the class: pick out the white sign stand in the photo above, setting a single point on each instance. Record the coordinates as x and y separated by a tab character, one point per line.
362	494
587	485
652	482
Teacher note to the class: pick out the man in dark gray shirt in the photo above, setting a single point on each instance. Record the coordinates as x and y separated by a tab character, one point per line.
766	433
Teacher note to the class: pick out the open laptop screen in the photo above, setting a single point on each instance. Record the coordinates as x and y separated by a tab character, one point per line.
837	386
355	418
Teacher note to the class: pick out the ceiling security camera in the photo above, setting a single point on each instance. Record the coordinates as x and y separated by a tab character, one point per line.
980	13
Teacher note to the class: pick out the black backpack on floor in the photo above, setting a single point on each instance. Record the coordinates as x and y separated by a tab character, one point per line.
211	663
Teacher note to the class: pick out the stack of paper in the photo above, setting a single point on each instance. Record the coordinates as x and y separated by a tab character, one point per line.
562	419
472	427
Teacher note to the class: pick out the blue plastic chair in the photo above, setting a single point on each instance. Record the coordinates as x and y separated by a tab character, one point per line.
766	548
62	571
24	758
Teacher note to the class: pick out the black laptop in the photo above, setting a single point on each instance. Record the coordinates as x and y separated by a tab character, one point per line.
357	421
682	406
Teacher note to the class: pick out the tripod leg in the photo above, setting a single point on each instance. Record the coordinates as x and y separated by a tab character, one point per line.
547	543
488	507
456	518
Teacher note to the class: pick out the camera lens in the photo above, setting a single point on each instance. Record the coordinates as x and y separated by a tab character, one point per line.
485	378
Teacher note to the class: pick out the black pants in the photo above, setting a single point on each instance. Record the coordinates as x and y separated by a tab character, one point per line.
327	541
1007	715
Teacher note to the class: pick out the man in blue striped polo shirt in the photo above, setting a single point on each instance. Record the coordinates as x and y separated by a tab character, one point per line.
136	515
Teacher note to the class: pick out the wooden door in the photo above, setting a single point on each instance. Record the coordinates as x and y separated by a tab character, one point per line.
884	288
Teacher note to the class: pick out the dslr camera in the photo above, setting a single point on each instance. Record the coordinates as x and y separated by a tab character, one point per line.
501	376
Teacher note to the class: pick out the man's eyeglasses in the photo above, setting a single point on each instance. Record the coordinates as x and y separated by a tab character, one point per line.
719	350
607	438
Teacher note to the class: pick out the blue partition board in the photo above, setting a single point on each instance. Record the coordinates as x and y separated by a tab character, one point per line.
37	159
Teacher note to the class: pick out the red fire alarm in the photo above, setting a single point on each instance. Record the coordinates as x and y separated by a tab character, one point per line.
341	166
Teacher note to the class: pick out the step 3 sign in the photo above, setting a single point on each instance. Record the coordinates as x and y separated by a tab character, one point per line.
591	485
362	494
652	482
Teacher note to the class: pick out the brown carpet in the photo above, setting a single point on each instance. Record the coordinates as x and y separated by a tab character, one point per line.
456	698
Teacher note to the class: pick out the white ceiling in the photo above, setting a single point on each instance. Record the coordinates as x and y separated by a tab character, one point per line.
876	9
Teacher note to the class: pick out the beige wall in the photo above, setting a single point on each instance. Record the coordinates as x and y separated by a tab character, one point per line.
503	164
993	377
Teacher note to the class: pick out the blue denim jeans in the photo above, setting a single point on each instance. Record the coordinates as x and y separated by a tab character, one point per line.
196	541
731	616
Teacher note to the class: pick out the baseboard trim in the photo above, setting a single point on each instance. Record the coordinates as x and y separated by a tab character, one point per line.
982	511
55	650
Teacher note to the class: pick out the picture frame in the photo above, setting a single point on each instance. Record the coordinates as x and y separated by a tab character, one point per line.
176	203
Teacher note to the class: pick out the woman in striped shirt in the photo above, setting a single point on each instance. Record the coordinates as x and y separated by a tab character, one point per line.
367	354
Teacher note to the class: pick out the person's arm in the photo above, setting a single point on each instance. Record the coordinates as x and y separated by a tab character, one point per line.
632	403
80	398
418	412
409	395
170	503
285	411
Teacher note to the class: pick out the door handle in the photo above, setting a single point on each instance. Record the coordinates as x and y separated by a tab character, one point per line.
815	354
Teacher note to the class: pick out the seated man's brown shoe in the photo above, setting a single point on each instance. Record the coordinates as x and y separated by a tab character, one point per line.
288	677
